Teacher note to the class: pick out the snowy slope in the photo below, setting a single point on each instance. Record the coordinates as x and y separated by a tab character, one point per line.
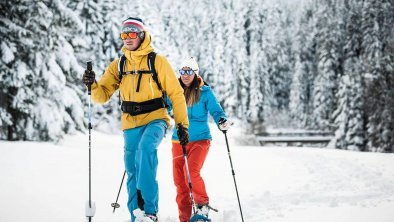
42	182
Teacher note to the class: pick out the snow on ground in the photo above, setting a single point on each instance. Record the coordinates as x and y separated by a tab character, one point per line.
43	182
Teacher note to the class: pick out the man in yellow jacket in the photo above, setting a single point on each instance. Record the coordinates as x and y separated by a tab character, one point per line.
144	114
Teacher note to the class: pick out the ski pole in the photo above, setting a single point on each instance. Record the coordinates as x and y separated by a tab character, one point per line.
180	127
196	217
188	177
90	207
232	170
116	205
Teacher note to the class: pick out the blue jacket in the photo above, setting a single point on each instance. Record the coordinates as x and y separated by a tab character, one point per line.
198	115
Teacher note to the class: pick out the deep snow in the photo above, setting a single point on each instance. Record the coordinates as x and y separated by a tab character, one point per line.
43	182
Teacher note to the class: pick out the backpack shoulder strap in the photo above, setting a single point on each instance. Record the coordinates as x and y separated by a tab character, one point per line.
151	65
121	67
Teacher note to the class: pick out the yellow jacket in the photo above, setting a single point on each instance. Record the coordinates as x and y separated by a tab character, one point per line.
137	60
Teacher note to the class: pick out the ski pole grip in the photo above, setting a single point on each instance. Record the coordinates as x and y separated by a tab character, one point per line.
181	127
89	67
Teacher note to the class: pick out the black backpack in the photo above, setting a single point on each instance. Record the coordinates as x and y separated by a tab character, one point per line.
134	108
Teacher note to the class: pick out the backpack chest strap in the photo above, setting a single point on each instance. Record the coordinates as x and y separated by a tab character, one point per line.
136	72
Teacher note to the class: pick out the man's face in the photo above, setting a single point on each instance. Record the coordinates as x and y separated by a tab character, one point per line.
131	43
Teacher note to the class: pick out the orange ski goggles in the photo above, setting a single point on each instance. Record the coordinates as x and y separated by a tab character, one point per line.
132	35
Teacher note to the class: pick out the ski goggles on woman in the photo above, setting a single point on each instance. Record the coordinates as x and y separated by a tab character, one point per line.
132	35
188	72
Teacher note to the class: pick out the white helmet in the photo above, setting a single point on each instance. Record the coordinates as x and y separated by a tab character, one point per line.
191	63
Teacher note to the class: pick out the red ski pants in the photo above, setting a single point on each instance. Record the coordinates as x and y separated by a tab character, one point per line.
196	153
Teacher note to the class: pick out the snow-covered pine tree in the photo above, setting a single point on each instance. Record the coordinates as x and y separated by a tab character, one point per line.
342	112
349	124
235	60
213	42
38	71
257	76
349	117
304	70
387	15
276	49
386	19
208	38
376	19
161	19
325	82
371	53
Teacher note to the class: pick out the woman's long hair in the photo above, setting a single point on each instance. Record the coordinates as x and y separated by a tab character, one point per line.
192	93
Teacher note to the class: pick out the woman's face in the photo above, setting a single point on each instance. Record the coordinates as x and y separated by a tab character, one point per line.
188	76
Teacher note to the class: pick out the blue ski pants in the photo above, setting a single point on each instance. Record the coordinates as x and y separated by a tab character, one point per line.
140	158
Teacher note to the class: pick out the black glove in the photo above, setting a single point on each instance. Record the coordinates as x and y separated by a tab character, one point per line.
183	135
88	77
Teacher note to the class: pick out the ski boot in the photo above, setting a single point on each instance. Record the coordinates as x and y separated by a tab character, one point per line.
201	214
141	216
151	218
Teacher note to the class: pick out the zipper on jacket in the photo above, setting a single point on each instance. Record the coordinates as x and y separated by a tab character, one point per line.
132	90
151	88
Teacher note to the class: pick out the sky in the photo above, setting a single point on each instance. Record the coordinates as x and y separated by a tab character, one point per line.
48	182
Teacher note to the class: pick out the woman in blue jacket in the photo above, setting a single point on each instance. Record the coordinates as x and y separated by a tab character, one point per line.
200	101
